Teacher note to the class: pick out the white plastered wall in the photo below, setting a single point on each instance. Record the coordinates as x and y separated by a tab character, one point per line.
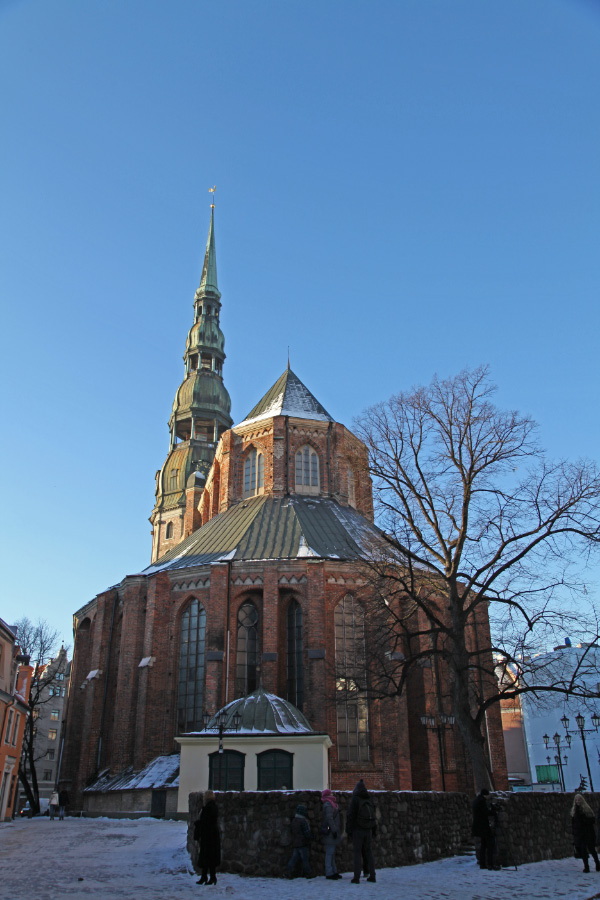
310	773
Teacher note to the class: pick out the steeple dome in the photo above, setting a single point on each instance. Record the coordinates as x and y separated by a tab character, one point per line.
201	409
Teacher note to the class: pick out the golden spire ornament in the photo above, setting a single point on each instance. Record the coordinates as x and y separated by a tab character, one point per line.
212	191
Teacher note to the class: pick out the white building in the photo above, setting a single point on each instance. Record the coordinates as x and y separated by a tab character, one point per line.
531	758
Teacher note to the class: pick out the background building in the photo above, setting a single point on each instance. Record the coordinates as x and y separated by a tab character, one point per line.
526	721
48	714
15	681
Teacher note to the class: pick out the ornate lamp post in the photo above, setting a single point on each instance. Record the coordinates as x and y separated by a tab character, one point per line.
582	733
439	724
219	723
557	758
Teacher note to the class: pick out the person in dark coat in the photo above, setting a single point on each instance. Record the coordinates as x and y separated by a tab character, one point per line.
362	828
301	838
484	827
63	802
331	831
584	832
206	832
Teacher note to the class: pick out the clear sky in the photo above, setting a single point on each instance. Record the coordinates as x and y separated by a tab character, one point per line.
403	188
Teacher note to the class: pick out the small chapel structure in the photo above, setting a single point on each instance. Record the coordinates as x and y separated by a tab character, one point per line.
255	590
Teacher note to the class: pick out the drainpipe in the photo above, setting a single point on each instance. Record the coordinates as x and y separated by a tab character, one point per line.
110	634
228	633
329	457
287	455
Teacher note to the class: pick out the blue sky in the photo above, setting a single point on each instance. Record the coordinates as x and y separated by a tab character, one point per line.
403	188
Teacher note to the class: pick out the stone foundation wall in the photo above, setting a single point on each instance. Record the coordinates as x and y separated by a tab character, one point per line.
413	827
535	826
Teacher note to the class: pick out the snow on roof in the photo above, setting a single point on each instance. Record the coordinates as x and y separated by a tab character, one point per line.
288	397
162	772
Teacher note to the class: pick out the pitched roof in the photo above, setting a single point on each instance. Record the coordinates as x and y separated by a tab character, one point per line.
267	527
288	397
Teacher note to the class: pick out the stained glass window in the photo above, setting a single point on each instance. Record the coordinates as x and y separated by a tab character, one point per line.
295	667
246	679
190	694
307	471
350	677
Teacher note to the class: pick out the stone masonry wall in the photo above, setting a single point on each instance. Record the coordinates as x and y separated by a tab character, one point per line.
413	827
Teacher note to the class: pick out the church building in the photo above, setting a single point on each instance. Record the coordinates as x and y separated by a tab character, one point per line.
253	605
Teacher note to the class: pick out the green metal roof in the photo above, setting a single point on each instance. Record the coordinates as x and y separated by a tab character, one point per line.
275	528
261	713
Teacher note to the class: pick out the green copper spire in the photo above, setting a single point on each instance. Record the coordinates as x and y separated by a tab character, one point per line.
208	282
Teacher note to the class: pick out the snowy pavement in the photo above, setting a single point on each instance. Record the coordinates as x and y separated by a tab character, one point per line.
123	859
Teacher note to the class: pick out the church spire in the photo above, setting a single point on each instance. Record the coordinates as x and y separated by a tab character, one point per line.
208	282
200	413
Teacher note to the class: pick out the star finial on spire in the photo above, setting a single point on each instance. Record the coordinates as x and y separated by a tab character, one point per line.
212	191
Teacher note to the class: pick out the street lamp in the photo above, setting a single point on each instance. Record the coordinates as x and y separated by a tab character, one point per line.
445	721
557	759
219	722
582	733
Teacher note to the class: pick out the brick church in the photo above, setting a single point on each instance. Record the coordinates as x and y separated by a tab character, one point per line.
255	586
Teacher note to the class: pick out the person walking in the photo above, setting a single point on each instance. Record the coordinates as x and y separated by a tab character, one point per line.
206	832
63	802
331	831
53	804
361	826
584	832
301	838
485	818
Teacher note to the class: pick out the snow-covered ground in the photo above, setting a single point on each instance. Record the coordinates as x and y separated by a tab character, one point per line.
124	859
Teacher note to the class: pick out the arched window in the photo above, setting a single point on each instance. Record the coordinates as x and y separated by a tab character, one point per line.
295	667
275	770
307	471
254	474
351	487
169	530
246	672
190	694
350	680
226	770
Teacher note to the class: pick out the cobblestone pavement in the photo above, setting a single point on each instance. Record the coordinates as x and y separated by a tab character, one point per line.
112	859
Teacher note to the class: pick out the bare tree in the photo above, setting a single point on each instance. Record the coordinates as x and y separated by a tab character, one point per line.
38	641
477	522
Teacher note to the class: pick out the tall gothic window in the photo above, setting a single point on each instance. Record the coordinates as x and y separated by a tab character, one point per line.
190	695
254	474
350	680
295	667
307	471
169	530
246	672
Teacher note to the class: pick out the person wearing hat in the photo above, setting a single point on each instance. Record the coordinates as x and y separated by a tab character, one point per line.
331	833
301	838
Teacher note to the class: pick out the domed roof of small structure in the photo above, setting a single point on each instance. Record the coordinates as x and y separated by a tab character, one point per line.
262	713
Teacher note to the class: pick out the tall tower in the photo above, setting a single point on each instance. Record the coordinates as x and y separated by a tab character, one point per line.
199	417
